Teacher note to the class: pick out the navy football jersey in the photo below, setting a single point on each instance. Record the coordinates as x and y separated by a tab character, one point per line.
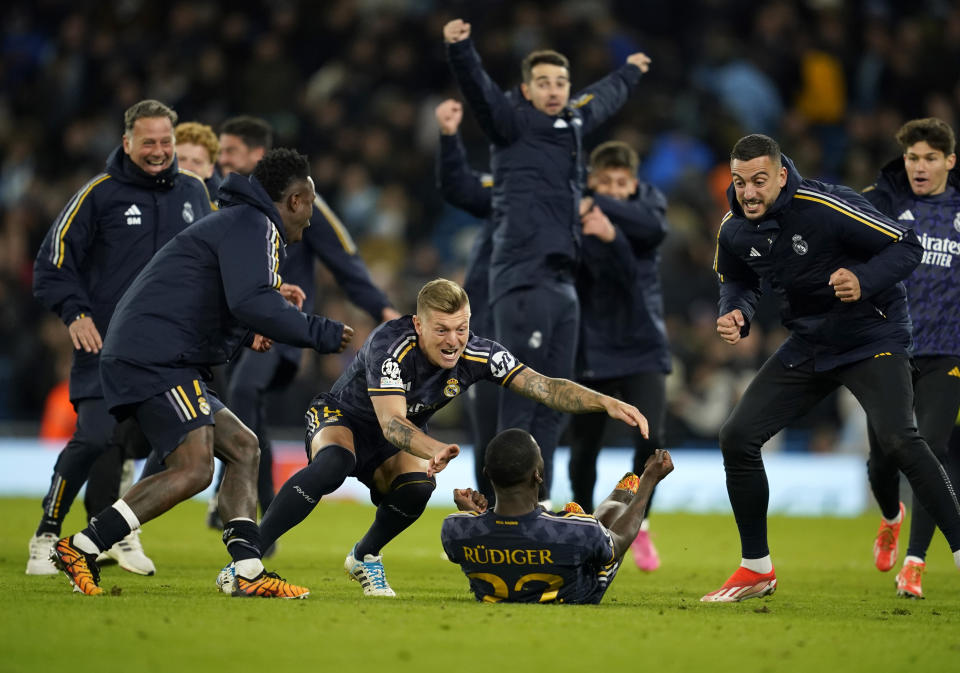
539	557
391	363
933	290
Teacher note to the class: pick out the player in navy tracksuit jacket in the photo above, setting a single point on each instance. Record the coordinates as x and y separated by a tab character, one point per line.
256	374
837	266
194	306
921	189
101	240
537	170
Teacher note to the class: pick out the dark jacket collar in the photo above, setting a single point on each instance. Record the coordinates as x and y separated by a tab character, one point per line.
239	190
120	167
786	194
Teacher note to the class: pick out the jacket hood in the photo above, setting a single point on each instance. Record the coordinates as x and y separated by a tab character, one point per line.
120	167
786	194
240	190
893	178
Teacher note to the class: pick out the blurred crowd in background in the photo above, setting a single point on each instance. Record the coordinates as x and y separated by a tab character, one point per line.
354	83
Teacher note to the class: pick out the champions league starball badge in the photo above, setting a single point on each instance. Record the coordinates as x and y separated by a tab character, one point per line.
799	245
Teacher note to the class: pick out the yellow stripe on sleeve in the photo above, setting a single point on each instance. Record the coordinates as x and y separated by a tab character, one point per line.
61	247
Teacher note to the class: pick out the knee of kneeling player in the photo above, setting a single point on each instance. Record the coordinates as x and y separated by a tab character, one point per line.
410	492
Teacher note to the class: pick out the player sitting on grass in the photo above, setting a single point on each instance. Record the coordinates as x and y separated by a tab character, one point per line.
518	552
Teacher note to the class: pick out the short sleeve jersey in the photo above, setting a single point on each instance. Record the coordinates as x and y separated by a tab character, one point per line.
539	557
391	363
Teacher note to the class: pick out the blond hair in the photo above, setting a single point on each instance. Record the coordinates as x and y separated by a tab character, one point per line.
196	133
441	295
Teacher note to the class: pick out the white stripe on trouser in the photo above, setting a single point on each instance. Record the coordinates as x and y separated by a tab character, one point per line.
178	405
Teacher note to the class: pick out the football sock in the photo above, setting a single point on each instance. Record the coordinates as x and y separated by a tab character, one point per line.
956	558
911	557
85	544
897	519
645	525
249	568
758	565
400	507
242	537
301	492
108	527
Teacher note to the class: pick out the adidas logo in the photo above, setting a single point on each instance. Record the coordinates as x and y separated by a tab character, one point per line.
133	215
754	252
906	216
954	372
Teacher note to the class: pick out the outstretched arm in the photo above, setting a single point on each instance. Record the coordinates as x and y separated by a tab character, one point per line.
391	413
570	397
622	514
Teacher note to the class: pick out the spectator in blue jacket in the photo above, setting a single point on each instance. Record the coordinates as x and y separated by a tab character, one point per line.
537	177
837	265
623	350
243	141
98	244
196	303
922	189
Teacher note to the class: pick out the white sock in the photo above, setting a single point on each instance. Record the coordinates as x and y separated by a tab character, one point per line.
897	519
956	558
645	525
85	544
249	568
914	559
127	514
758	565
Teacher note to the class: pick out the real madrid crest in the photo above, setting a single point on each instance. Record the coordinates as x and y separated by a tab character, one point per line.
799	245
203	405
188	212
956	222
452	389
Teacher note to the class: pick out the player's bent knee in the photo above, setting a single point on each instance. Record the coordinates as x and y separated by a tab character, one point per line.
244	447
734	440
409	494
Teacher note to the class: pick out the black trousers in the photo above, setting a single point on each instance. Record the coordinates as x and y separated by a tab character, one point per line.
647	392
779	395
103	483
540	326
936	399
93	436
480	402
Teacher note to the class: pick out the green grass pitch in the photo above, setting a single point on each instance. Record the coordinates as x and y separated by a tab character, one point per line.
832	611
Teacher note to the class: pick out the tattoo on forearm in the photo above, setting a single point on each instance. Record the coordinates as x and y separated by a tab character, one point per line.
559	394
399	433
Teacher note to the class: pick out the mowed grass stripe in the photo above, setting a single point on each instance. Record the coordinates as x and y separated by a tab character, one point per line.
833	609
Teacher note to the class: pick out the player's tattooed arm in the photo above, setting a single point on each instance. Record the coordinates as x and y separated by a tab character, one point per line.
559	394
570	397
402	433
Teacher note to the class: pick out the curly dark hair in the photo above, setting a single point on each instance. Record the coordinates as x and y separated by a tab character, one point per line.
279	168
511	457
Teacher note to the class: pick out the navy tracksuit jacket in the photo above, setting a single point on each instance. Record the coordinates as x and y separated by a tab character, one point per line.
102	239
812	230
197	301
